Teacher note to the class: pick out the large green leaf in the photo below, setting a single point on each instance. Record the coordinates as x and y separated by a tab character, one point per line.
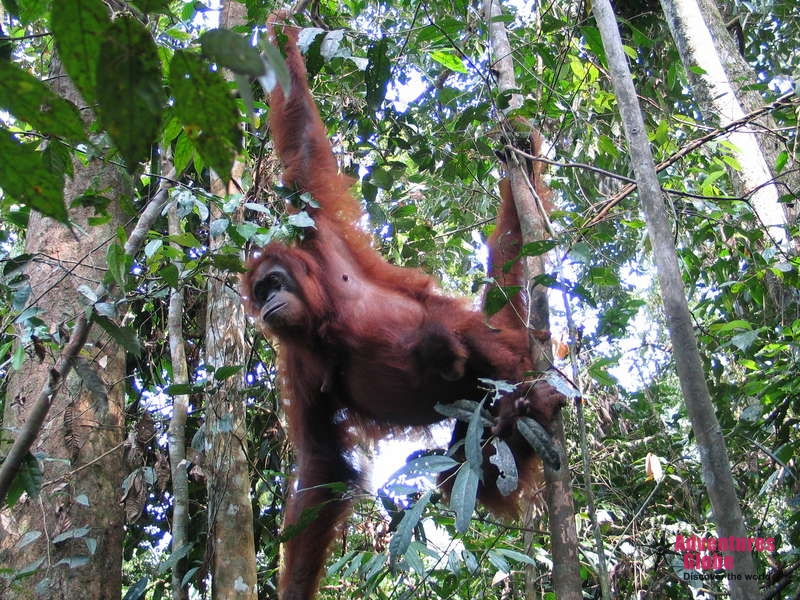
29	100
449	60
78	27
206	109
464	495
28	479
231	50
497	297
130	90
25	178
124	336
405	530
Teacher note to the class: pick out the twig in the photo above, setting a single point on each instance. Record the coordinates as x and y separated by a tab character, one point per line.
785	100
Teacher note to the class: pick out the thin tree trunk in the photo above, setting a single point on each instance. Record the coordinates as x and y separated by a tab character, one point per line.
558	491
230	512
710	441
177	426
83	431
703	41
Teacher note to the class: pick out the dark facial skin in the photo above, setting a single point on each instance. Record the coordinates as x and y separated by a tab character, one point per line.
275	294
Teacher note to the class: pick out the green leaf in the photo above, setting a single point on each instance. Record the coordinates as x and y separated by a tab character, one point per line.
423	466
497	297
540	441
78	27
226	372
17	360
377	74
449	60
31	101
301	220
184	153
463	410
152	247
497	560
137	591
171	275
538	248
207	111
185	239
11	7
278	72
218	227
25	178
28	479
592	39
189	575
515	555
228	262
463	496
74	562
548	281
784	453
231	50
153	6
15	266
744	340
307	37
402	537
414	560
781	160
382	178
130	92
183	389
118	264
608	146
604	277
735	325
600	373
472	441
27	11
19	298
58	159
124	336
631	52
470	561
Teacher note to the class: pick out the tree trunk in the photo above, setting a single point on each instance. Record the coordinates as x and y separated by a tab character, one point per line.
710	441
558	491
177	427
230	512
703	41
78	518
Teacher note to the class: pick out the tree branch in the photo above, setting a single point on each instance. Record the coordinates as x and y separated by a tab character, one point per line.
80	333
782	102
